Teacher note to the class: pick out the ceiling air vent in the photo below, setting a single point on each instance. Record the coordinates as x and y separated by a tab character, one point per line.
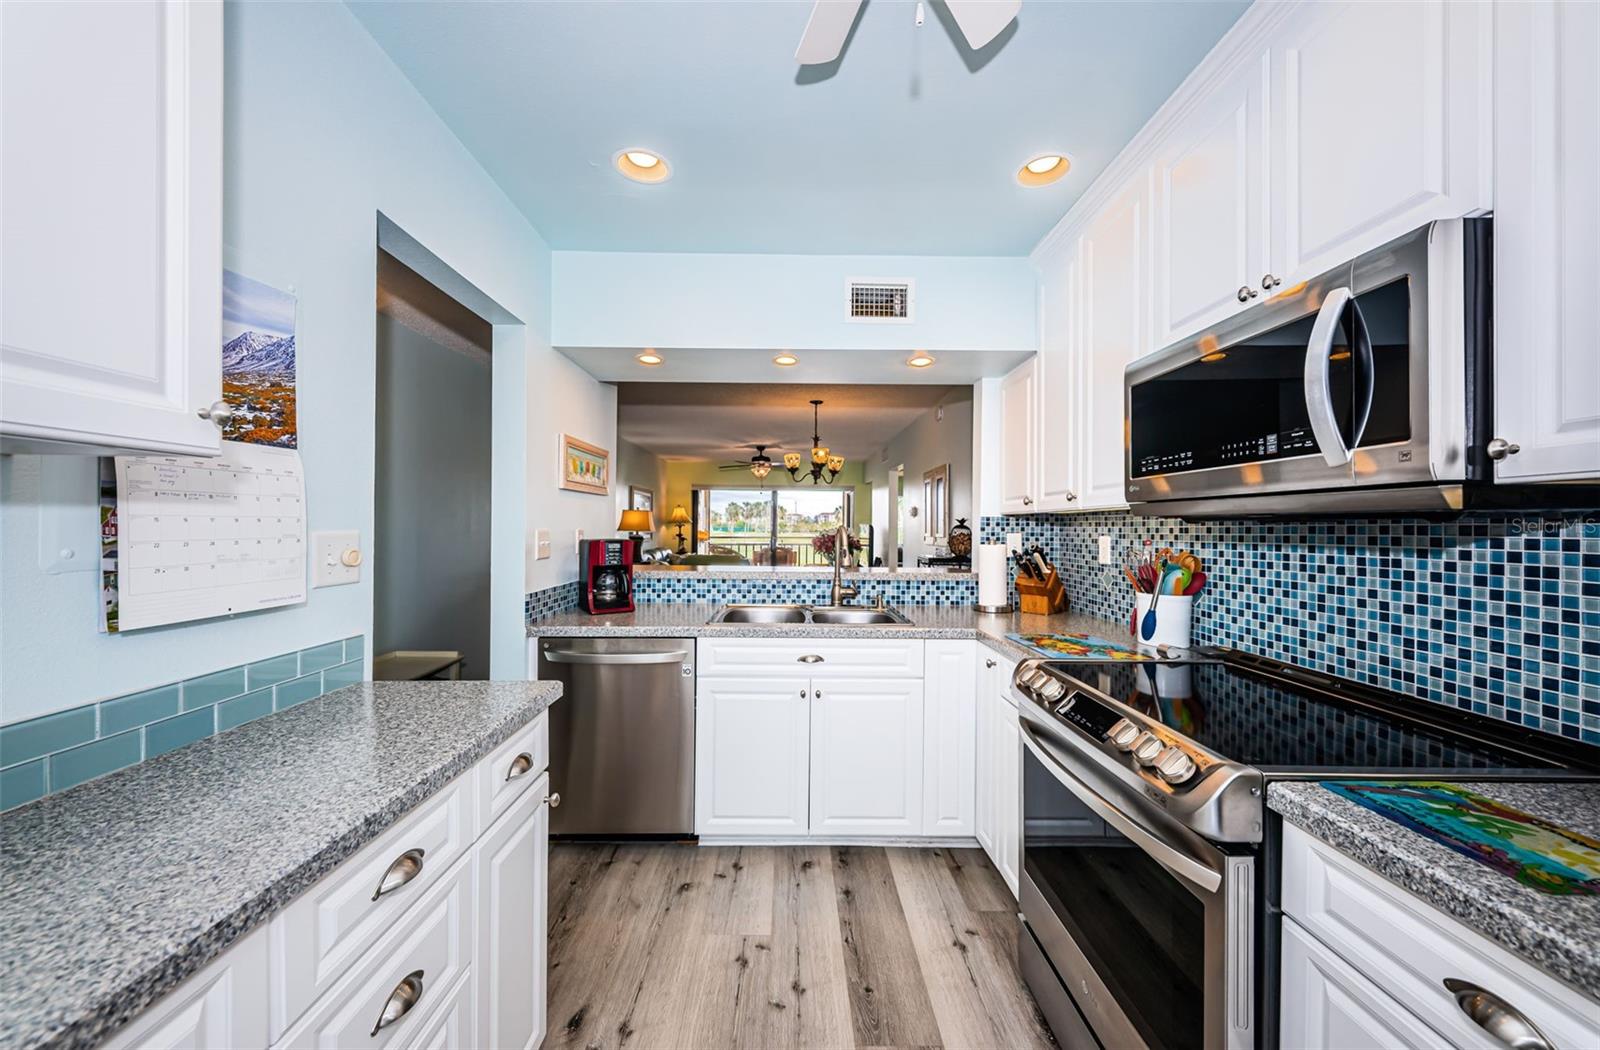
874	300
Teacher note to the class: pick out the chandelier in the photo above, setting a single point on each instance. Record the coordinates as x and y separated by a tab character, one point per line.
824	467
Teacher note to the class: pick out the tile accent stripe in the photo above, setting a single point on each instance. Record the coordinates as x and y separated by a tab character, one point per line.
1499	615
61	750
661	587
551	600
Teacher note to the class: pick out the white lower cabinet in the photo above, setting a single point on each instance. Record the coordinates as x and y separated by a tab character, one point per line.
1326	1003
223	1005
431	935
999	769
840	739
509	966
752	755
1366	963
866	757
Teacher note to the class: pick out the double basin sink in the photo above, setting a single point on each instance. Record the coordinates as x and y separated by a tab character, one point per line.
799	615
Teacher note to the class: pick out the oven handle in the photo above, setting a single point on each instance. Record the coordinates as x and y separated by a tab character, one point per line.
1181	865
1319	390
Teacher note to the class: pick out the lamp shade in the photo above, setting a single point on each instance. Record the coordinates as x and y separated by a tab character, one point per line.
635	521
679	516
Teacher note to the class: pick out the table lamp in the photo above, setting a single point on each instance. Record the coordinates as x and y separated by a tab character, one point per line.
635	523
680	518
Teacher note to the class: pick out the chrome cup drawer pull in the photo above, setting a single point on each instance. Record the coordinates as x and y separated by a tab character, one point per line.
406	995
1502	1021
519	766
406	867
810	658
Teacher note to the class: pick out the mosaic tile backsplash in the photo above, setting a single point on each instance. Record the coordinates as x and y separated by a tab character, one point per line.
1498	615
62	750
651	588
539	604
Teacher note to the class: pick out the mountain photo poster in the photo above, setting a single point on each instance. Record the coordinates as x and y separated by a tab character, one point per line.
258	370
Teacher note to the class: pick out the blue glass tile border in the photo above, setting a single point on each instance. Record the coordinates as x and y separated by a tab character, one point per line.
551	600
655	588
1495	614
60	750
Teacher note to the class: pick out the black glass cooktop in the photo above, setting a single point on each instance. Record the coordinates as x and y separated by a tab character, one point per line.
1278	726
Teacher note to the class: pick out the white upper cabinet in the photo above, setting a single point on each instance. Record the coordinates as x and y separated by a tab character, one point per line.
1547	239
1116	265
1212	209
1018	439
111	134
1380	125
1057	376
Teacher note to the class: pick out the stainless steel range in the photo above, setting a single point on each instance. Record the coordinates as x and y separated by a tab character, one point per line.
1147	848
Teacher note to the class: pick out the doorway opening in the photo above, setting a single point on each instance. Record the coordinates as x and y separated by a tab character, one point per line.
431	604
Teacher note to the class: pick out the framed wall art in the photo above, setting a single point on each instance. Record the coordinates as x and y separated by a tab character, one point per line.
584	467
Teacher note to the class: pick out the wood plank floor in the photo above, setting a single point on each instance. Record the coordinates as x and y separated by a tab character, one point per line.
665	946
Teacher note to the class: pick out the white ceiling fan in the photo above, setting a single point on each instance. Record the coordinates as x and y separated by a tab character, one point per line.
980	21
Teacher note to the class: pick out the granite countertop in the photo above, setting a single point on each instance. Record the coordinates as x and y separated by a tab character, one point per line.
680	620
114	891
1556	934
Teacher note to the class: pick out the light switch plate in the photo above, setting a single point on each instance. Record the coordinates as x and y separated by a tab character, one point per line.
331	554
541	544
1105	550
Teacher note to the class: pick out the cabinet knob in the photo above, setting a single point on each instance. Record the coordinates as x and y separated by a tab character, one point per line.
1247	293
1269	282
1027	501
219	413
1500	448
988	663
554	799
406	995
405	867
1071	496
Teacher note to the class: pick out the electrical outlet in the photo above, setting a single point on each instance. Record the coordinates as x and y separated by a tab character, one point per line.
578	545
1013	542
1105	550
541	545
335	558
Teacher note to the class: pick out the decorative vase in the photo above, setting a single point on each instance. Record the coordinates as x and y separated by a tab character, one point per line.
960	541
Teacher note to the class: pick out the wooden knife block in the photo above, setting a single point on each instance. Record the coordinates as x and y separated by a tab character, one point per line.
1044	596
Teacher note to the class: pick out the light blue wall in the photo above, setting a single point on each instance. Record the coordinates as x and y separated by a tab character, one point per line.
713	301
323	133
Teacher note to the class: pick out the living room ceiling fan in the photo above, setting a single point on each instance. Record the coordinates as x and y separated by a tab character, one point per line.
980	21
759	464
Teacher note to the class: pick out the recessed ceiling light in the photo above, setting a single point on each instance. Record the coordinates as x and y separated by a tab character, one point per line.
785	359
920	359
649	357
1043	169
642	165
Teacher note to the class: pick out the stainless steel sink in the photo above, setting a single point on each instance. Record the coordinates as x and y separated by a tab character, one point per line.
856	615
761	614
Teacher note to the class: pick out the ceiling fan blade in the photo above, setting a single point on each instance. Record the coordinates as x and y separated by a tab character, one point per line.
981	21
826	31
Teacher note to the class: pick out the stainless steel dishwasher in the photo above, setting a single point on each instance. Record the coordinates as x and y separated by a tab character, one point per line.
622	736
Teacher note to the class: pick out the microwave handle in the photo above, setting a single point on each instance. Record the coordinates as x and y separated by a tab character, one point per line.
1319	391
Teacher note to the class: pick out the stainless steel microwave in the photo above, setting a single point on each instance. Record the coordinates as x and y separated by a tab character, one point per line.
1365	390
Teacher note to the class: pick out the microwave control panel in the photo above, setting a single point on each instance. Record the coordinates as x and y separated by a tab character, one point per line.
1299	441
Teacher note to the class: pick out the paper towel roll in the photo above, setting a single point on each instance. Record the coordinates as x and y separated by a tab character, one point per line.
994	575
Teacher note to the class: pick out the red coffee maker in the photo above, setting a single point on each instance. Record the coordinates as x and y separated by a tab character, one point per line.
605	576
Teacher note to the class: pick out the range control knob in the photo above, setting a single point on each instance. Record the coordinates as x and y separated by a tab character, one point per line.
1146	748
1174	766
1052	689
1123	734
1038	680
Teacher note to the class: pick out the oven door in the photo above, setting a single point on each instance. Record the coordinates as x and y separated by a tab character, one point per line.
1324	388
1150	928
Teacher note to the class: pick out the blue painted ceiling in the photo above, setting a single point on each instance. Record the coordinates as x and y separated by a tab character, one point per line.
908	145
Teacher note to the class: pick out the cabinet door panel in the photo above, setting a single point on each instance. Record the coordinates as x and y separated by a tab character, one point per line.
1212	209
1018	435
1547	240
866	757
1008	757
1381	127
751	755
1058	376
513	887
949	739
225	1004
1327	1005
1115	265
986	769
112	254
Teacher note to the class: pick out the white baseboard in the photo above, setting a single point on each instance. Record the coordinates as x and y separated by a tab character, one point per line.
915	841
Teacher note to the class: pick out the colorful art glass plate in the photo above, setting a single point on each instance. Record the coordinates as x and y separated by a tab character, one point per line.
1079	646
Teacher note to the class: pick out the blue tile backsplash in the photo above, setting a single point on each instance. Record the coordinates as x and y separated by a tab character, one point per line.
653	587
64	749
1497	615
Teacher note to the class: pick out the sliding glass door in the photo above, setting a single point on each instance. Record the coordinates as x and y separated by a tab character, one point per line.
770	526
